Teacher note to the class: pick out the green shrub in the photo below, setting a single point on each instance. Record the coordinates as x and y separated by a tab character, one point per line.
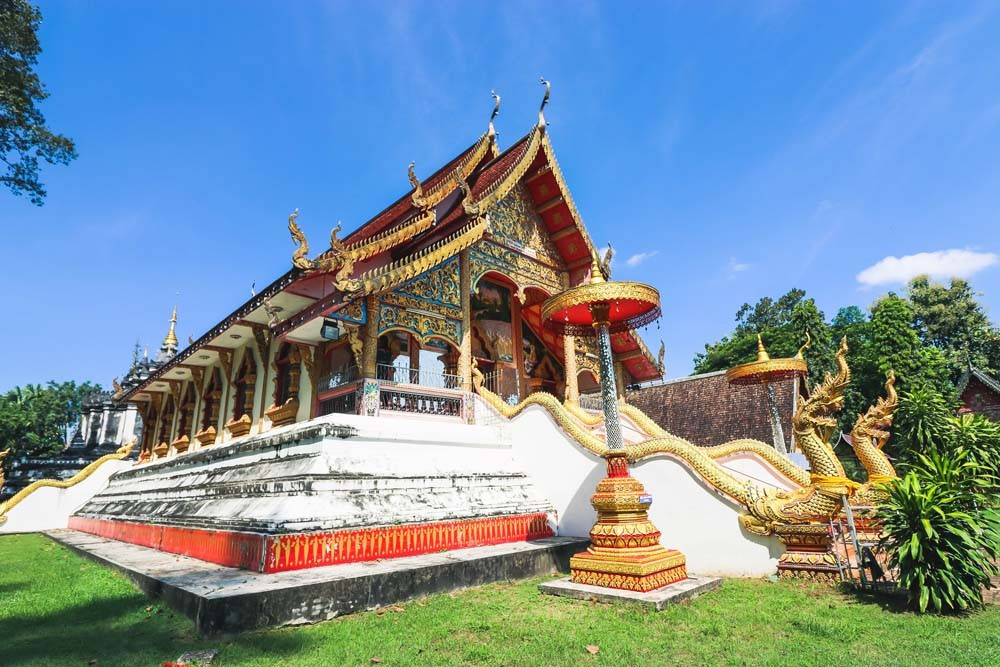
921	423
941	531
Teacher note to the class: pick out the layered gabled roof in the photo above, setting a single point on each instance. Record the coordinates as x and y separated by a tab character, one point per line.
433	221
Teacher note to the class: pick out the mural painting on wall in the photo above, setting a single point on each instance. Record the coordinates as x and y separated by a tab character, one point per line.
540	367
491	315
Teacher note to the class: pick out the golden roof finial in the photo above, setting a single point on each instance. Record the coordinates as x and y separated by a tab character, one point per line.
496	110
762	354
805	346
170	340
595	270
545	100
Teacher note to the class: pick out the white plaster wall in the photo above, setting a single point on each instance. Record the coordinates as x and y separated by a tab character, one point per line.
691	516
48	507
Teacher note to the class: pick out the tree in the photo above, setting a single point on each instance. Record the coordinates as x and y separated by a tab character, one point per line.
35	419
899	349
952	320
24	138
782	325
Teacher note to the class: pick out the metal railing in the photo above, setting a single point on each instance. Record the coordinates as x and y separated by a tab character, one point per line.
398	399
337	379
406	375
592	402
343	404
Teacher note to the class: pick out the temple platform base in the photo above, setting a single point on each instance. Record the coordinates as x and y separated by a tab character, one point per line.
223	600
656	600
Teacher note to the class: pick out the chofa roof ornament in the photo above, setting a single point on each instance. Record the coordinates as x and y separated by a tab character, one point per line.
496	110
545	100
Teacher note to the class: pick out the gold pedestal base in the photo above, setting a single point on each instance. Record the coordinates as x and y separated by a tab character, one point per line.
808	553
625	550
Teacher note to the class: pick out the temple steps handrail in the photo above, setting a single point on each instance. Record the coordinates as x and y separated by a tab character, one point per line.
17	498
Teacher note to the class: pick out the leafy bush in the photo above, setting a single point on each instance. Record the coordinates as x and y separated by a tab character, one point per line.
921	423
941	531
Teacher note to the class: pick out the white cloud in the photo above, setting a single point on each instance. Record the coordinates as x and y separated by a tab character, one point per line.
938	264
640	257
736	266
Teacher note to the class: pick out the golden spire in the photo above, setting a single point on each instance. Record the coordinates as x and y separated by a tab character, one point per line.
762	354
595	270
170	340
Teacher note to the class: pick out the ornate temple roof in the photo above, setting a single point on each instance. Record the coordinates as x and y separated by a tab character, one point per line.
438	217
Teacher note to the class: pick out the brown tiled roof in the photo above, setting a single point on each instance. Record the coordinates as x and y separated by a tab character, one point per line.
706	410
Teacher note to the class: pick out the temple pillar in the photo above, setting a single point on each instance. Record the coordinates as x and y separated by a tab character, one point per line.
569	366
369	335
523	388
465	348
620	380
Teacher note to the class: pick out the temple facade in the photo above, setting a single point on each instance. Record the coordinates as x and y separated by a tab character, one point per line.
406	315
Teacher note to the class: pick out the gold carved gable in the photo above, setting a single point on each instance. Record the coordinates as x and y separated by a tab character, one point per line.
439	285
513	220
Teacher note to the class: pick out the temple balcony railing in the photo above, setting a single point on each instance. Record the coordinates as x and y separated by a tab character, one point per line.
592	402
395	390
415	376
337	379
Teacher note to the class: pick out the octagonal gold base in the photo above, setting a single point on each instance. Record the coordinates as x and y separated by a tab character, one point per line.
625	550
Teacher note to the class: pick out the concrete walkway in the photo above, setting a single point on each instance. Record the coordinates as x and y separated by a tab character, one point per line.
226	600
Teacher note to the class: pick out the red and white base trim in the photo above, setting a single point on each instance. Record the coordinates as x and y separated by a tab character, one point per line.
296	551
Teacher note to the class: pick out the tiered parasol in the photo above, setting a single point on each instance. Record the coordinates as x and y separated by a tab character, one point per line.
767	371
625	550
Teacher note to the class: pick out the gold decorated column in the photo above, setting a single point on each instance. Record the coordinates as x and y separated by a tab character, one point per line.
369	350
569	354
465	350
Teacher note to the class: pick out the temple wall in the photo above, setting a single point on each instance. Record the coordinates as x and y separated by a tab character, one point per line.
48	507
330	473
692	516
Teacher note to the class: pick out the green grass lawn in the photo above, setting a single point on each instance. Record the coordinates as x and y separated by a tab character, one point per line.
59	609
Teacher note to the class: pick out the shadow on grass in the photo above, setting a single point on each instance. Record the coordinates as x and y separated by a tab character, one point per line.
114	631
894	601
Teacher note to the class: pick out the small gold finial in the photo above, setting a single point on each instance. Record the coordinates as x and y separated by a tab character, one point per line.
595	271
762	354
170	340
496	110
545	100
805	346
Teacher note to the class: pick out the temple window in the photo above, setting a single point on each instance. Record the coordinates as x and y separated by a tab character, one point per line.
288	371
186	416
210	410
243	394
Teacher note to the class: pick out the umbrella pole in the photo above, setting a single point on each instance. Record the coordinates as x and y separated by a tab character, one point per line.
776	431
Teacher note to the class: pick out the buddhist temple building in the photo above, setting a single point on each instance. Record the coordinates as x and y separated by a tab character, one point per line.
404	315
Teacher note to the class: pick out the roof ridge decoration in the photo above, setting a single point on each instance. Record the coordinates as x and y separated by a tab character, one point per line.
545	100
436	193
407	268
341	258
507	180
496	110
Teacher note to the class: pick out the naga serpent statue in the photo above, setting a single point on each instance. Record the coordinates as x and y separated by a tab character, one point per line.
820	496
813	424
868	437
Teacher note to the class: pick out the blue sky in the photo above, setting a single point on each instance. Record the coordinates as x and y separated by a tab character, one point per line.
728	151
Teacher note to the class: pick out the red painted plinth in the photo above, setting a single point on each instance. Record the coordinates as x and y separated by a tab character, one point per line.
296	551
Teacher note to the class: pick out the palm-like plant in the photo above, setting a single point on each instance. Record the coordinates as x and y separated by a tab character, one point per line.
941	531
